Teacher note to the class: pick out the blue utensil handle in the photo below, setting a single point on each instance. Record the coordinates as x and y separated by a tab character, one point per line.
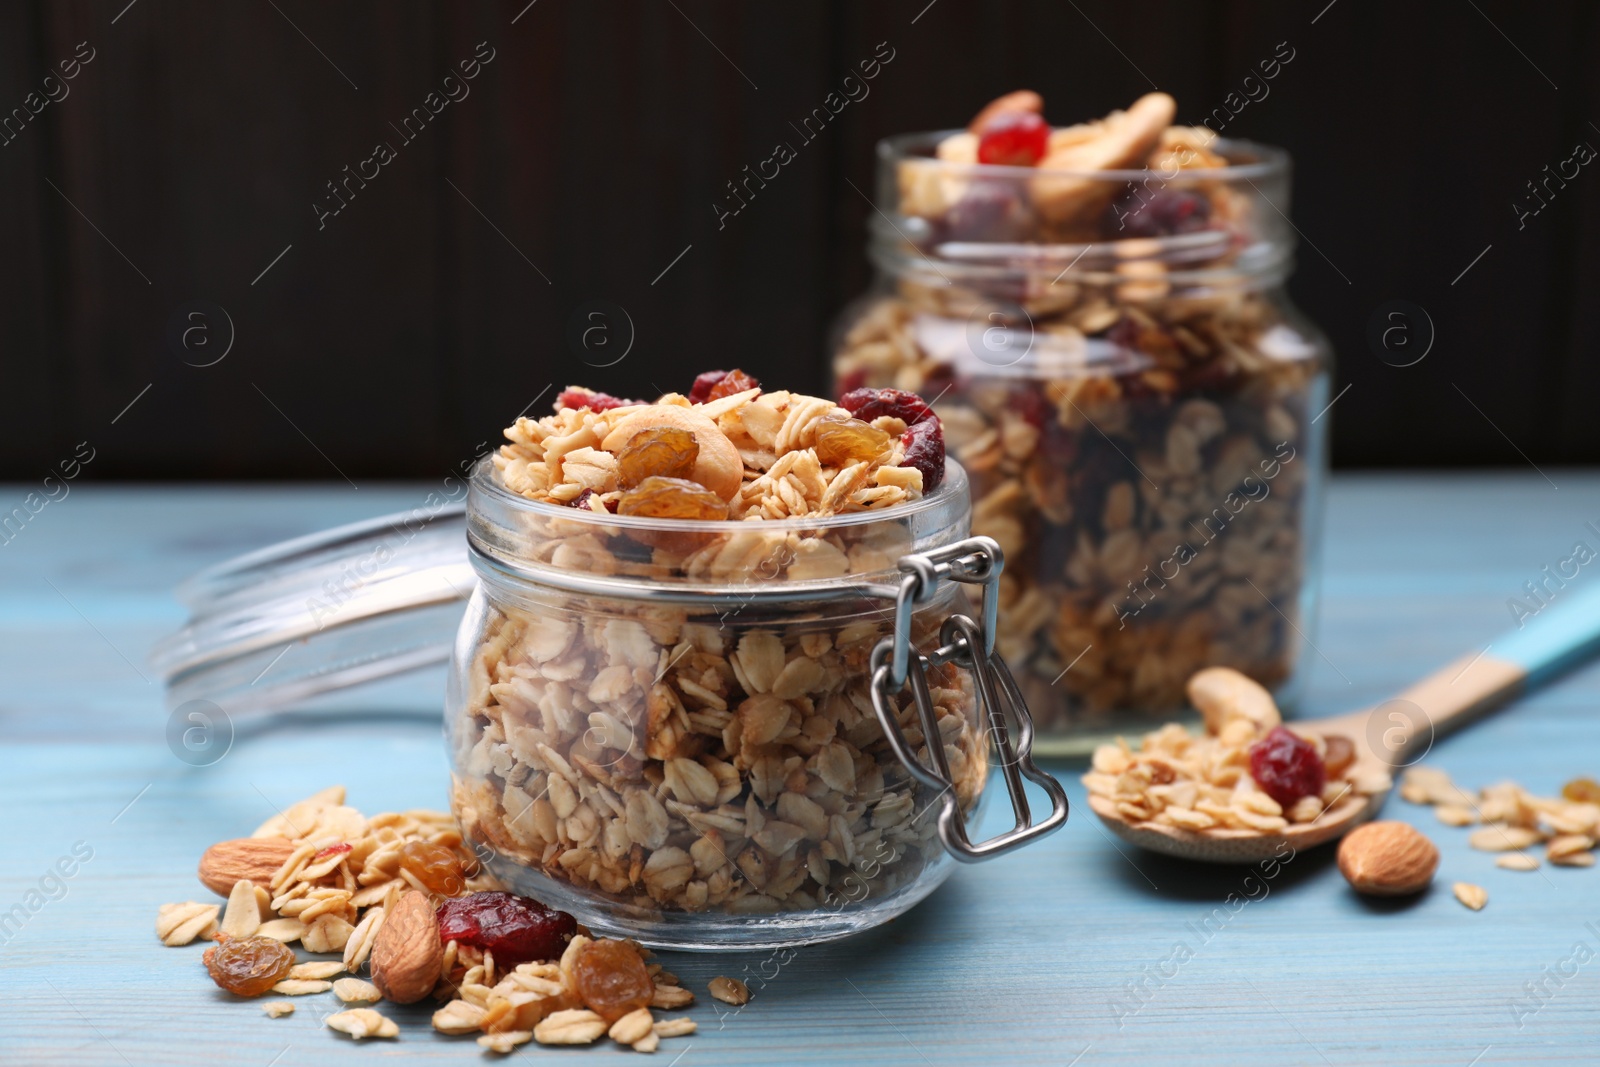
1563	633
1560	635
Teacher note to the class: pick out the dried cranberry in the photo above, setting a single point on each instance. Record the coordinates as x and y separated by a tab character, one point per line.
331	850
852	381
1287	767
1138	213
1014	139
737	381
716	384
1061	445
588	398
987	211
516	929
924	436
924	443
1031	405
869	404
938	378
1124	333
700	391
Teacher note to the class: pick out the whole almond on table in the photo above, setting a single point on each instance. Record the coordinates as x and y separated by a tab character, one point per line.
407	956
254	859
1387	859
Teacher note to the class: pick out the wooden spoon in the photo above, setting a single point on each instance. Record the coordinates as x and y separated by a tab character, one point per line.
1398	732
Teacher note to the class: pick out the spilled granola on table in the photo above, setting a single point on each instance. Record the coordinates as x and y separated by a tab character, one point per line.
1100	308
658	757
1509	820
401	895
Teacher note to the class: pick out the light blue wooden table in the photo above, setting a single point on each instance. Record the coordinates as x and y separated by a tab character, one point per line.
1065	953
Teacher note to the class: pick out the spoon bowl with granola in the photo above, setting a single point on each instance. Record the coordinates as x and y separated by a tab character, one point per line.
1250	785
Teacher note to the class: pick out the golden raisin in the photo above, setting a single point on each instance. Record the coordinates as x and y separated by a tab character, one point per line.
612	979
1339	754
664	451
672	498
435	866
842	441
1582	791
249	966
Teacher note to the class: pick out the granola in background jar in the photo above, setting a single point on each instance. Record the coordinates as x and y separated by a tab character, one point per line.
1097	312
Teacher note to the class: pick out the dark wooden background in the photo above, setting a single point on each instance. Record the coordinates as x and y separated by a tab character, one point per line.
391	342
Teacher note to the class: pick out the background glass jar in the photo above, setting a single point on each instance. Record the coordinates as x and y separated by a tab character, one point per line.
668	727
1136	400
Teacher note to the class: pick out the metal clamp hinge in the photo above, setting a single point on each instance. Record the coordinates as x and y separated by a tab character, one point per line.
977	560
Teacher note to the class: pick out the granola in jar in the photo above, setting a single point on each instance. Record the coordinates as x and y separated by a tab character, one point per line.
661	714
1097	312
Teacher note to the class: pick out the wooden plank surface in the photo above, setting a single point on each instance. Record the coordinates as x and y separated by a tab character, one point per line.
1030	959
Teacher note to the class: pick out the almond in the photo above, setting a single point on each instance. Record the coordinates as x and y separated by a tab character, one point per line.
1387	859
1224	695
1021	100
718	466
407	957
252	859
1122	140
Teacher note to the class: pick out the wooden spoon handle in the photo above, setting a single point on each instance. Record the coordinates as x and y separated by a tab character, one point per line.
1563	632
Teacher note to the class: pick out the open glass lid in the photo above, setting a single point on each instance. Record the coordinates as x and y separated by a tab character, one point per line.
320	613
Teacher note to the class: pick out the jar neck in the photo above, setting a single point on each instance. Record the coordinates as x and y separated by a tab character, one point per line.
1202	264
519	542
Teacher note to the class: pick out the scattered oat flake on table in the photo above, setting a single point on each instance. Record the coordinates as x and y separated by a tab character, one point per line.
679	1027
285	930
1413	794
1473	896
506	1040
1503	838
459	1017
316	969
632	1027
730	990
278	1008
299	987
574	1026
1568	845
1517	861
179	924
363	1022
356	991
1573	859
246	901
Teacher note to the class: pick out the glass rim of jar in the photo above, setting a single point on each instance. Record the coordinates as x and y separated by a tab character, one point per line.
1198	261
929	520
1258	160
